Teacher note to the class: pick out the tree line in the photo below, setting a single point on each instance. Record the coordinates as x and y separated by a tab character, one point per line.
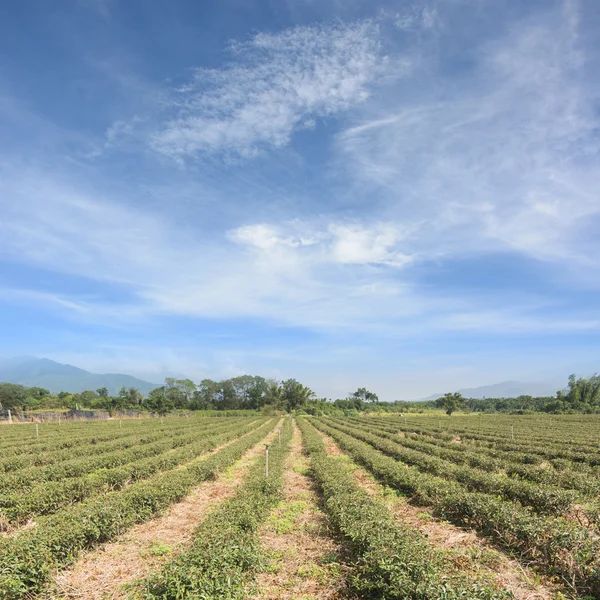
248	392
244	392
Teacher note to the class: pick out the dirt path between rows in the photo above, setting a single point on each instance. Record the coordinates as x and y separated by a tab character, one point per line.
304	560
466	551
102	573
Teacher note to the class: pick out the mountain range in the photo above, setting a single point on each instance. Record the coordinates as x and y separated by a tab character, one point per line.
58	377
506	389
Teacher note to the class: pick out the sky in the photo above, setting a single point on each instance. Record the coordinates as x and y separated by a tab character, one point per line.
398	195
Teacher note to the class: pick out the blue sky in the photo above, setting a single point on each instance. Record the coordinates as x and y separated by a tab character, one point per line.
401	195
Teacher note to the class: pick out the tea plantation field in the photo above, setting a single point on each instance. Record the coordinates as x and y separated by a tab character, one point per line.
417	507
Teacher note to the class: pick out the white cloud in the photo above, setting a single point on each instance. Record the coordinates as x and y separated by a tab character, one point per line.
266	237
322	276
278	83
361	245
337	243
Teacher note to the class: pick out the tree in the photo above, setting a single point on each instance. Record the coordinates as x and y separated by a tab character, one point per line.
158	401
206	395
102	392
451	402
12	396
129	397
250	390
294	394
365	395
582	392
273	394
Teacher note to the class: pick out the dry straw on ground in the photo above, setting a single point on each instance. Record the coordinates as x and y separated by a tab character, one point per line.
304	561
103	573
466	551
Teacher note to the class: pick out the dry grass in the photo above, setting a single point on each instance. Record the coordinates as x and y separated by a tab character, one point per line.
104	572
465	550
304	561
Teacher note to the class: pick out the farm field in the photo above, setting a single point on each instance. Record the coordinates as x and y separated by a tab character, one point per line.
417	507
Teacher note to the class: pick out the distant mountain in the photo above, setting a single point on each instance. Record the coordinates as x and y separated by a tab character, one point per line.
506	389
58	377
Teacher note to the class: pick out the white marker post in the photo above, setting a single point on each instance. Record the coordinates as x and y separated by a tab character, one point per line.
9	417
120	423
37	431
266	461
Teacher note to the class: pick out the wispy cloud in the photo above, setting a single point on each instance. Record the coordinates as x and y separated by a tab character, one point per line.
506	160
417	17
275	85
322	276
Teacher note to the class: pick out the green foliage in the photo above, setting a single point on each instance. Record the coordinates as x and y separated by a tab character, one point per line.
364	395
159	401
294	394
13	396
29	557
391	562
450	402
38	491
582	393
543	498
226	548
557	545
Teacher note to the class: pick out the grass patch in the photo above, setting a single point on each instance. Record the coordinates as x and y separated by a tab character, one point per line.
159	549
283	519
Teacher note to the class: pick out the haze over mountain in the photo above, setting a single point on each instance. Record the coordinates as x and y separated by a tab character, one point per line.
506	389
58	377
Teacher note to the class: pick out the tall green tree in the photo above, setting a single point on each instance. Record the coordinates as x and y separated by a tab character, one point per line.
451	402
294	394
206	395
12	396
582	392
159	401
364	395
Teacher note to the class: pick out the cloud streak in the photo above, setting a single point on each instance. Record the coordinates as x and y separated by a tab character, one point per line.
276	84
506	161
333	276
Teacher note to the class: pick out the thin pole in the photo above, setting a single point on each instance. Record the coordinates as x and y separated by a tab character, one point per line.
37	431
120	423
266	461
9	417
